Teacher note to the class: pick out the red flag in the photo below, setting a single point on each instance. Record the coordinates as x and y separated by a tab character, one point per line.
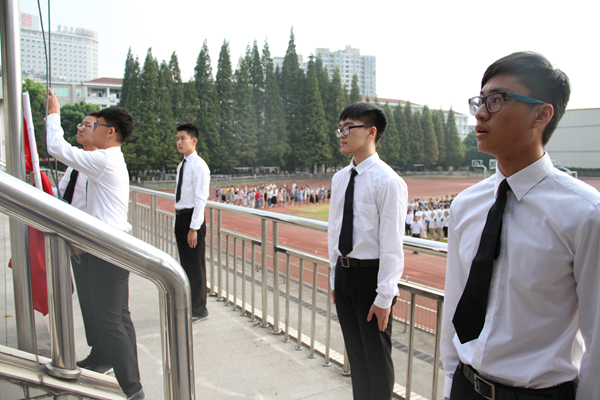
37	248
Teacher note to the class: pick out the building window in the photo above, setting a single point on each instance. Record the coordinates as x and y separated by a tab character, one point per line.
61	92
78	93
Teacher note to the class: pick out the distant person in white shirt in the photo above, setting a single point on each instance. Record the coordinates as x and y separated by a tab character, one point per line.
539	334
107	200
191	194
365	238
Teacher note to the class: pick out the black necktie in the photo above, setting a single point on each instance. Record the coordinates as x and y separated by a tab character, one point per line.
345	243
179	182
469	316
68	196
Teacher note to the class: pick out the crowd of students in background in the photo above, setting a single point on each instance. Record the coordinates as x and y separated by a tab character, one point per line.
271	195
428	219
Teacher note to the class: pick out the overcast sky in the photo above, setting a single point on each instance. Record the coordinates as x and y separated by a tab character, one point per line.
429	52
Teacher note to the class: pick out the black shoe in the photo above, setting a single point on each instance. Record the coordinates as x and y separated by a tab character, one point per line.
137	396
87	362
200	317
101	368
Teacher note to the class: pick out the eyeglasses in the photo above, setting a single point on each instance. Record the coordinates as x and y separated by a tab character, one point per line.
495	101
82	126
98	123
345	131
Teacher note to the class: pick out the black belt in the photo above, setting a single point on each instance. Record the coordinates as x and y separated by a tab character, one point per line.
354	262
184	211
496	391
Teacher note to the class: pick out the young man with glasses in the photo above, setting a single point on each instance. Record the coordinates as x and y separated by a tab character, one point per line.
73	189
366	230
107	200
521	316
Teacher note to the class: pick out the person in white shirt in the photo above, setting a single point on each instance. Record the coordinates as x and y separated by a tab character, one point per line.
107	200
365	239
539	336
73	189
408	221
439	223
191	194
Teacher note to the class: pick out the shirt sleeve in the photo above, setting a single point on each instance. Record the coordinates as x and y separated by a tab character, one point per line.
452	294
201	183
586	269
90	163
392	214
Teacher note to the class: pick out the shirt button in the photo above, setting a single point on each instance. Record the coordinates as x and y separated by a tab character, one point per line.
488	319
493	283
505	210
478	354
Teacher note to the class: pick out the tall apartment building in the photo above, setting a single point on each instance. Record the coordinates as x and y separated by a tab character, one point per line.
74	52
350	62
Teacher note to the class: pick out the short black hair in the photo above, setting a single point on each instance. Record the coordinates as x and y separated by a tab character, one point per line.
93	114
190	129
120	119
368	113
545	82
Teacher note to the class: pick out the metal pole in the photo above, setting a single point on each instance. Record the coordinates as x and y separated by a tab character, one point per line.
243	278
410	345
60	302
235	273
313	322
300	303
227	270
153	221
327	363
135	229
346	366
276	330
264	286
211	216
219	255
253	285
436	354
288	278
10	36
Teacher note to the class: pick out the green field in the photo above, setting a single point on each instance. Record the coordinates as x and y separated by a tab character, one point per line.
319	212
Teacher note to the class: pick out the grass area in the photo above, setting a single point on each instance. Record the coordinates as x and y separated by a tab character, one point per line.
320	212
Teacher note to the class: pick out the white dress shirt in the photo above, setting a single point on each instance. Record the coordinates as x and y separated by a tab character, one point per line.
380	199
80	192
194	188
108	179
545	288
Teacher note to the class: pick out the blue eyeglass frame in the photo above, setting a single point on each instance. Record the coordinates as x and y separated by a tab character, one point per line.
514	96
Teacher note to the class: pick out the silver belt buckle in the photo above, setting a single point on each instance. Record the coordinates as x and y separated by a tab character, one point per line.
345	261
477	379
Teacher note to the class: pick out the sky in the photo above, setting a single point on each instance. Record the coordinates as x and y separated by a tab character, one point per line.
429	52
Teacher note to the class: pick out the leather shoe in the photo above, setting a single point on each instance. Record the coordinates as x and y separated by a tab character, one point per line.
200	317
86	362
137	396
101	368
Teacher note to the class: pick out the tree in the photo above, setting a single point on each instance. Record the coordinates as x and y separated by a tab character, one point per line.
177	92
244	125
204	106
401	126
71	115
165	111
389	144
333	110
355	90
454	150
225	98
313	147
416	133
130	90
437	117
272	141
430	150
256	80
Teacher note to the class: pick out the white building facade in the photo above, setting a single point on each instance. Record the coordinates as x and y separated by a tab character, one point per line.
74	52
350	63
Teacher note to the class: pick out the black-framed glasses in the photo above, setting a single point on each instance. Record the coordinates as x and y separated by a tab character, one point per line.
82	126
345	130
98	123
495	101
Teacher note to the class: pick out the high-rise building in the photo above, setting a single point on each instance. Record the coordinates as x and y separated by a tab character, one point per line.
74	52
350	62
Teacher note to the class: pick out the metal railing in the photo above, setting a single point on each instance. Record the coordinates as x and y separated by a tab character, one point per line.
65	226
250	269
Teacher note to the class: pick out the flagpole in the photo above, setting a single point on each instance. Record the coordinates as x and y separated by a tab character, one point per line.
10	37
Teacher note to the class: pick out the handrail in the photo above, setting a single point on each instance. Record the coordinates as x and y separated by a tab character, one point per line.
52	216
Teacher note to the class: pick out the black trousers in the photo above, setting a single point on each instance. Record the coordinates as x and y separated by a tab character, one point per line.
81	273
462	389
369	349
193	261
109	300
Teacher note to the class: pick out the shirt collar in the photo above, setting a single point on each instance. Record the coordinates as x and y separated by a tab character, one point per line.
366	164
527	178
195	153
